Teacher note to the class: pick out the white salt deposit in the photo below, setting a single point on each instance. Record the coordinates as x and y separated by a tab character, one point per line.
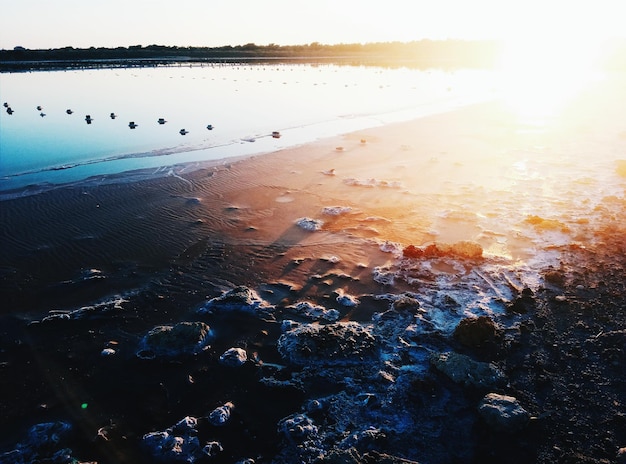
346	300
310	311
309	224
372	182
336	210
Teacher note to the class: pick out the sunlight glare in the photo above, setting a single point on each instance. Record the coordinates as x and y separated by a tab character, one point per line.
542	69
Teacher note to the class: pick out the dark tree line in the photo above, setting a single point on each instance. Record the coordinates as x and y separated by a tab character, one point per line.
420	54
424	53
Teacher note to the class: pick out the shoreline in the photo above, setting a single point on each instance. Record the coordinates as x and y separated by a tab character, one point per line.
347	330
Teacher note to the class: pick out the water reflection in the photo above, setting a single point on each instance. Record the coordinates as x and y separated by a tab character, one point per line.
251	102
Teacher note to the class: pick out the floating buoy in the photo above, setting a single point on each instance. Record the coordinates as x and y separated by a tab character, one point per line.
161	121
113	115
132	124
183	132
68	111
276	134
210	127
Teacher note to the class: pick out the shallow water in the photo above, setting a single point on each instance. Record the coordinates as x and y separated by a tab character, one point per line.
244	104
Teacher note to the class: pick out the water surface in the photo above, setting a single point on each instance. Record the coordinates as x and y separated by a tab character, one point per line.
243	104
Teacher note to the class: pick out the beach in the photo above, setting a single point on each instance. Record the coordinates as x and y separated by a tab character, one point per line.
342	269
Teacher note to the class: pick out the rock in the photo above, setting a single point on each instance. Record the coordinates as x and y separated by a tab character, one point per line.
464	370
336	456
347	300
302	442
219	416
212	448
43	443
166	341
239	299
462	250
502	412
298	428
374	457
521	305
412	251
476	331
234	357
405	303
314	312
332	344
554	277
368	439
178	443
309	224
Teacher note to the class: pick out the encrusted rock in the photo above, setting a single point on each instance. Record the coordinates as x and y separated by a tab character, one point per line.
234	357
464	370
338	343
313	311
178	443
476	331
298	428
503	412
43	443
166	341
347	300
239	299
309	224
462	250
221	415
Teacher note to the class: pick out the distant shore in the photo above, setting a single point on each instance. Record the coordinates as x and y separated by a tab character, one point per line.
422	54
418	54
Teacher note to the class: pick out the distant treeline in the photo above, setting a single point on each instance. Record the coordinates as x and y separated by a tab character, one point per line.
424	53
417	54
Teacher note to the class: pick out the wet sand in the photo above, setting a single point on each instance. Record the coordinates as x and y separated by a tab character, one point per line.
118	257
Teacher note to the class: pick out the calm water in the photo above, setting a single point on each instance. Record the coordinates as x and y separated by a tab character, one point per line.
244	104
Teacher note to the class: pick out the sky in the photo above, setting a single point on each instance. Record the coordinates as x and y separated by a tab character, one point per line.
111	23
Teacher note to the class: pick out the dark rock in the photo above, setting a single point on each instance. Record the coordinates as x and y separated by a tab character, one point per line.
179	443
234	357
43	443
166	341
374	457
464	370
219	416
475	332
503	413
338	343
239	299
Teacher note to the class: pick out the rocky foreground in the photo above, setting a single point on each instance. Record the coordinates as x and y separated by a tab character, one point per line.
543	381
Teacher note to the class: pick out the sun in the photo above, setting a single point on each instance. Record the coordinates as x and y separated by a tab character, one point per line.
548	62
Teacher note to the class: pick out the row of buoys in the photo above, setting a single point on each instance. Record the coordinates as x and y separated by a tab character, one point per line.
89	119
131	124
